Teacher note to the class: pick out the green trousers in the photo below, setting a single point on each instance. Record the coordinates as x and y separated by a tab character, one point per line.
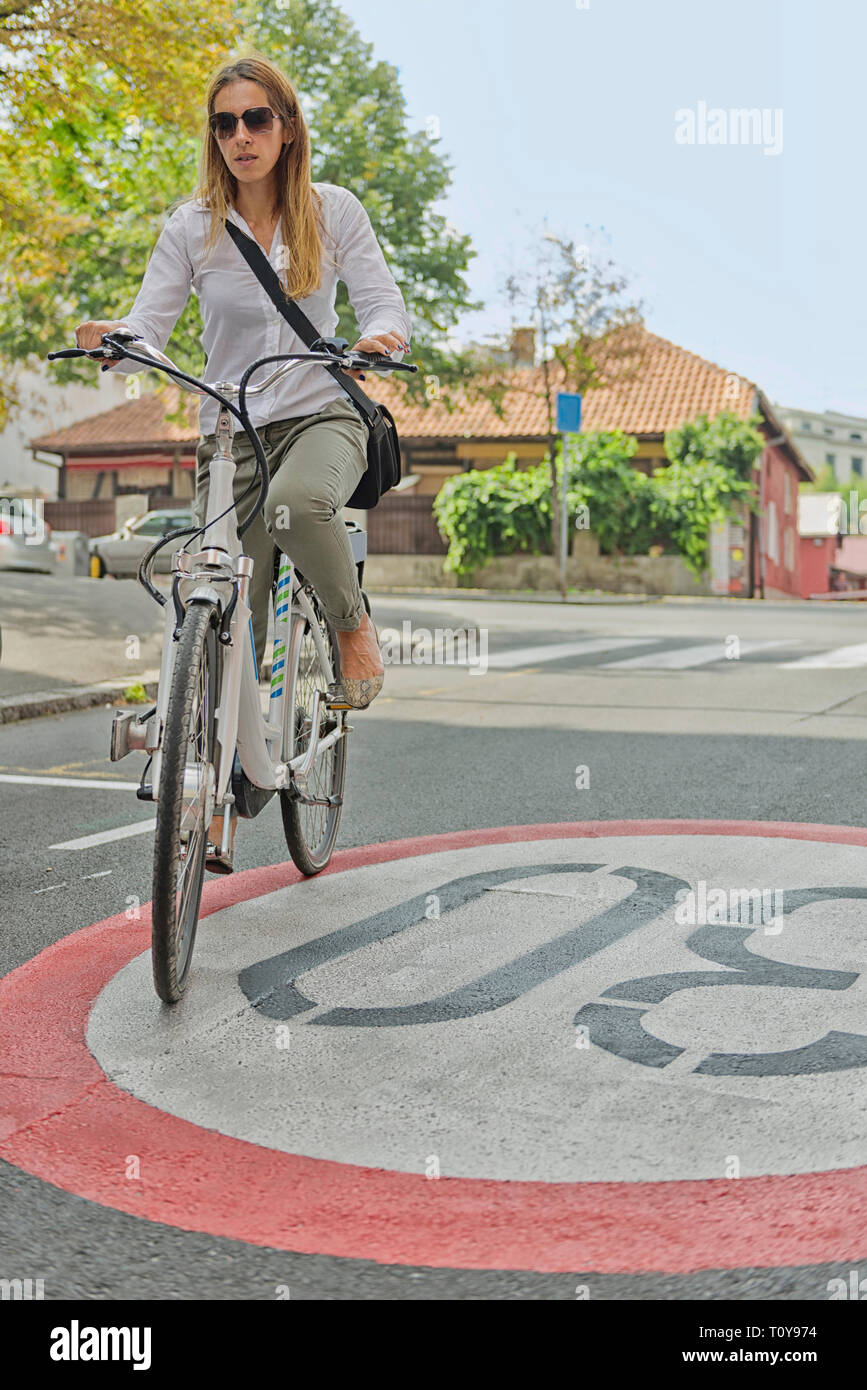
315	463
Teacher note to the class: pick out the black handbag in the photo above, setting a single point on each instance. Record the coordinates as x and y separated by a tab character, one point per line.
383	446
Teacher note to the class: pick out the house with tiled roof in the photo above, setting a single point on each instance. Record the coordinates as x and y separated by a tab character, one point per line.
135	449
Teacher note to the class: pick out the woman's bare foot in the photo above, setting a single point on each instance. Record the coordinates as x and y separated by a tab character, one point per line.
360	657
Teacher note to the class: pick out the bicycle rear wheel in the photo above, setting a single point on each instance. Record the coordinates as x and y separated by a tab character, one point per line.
185	801
311	830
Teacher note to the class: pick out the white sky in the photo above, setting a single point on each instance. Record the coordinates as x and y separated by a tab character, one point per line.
753	260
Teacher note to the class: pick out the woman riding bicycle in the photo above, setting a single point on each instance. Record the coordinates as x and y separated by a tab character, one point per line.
255	169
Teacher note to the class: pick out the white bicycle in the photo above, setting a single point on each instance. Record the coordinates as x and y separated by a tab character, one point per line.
210	746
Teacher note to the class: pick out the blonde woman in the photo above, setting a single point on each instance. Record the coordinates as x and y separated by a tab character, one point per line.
255	170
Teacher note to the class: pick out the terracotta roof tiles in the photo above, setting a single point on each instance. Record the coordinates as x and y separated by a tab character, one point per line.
672	386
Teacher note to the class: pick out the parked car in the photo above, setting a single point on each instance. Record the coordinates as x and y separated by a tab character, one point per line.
120	553
25	537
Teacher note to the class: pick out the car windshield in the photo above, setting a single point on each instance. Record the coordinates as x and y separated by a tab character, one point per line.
149	526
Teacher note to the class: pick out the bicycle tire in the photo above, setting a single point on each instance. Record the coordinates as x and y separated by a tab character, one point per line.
189	716
302	823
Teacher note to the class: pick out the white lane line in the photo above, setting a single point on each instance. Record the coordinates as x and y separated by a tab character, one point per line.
837	657
68	782
105	837
103	873
53	889
531	656
702	655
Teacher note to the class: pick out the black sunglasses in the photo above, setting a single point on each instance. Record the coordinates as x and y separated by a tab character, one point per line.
256	119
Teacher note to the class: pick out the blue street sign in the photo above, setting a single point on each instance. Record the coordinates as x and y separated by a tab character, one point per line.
568	412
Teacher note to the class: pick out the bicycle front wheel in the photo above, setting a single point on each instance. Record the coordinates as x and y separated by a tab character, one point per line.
311	826
185	801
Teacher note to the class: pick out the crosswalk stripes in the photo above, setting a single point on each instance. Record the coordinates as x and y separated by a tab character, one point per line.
660	655
837	658
702	654
555	651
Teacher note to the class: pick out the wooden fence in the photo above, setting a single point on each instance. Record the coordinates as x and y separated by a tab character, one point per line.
95	517
403	524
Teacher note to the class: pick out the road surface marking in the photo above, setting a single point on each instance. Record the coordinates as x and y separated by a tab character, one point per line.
702	655
67	1108
105	837
554	651
68	782
855	655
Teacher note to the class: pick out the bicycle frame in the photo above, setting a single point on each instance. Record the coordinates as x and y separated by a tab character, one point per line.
220	574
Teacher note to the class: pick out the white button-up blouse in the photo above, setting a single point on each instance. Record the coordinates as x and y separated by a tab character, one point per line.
240	321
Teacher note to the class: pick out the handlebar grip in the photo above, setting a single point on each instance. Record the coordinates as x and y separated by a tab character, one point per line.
67	352
376	359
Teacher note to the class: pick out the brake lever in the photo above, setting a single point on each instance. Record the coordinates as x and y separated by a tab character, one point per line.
358	361
101	353
97	354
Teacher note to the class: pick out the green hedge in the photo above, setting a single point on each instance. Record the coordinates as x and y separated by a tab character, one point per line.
506	510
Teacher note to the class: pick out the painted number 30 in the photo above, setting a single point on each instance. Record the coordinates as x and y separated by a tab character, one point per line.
270	985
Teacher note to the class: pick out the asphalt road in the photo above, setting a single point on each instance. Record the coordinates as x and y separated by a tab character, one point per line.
61	631
722	729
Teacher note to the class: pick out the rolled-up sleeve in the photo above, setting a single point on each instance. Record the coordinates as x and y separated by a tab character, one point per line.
164	291
373	292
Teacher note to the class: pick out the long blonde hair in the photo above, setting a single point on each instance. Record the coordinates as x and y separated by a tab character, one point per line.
298	202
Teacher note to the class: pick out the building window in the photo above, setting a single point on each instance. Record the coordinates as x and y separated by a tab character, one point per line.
858	467
856	437
831	459
789	549
787	492
829	431
805	425
772	534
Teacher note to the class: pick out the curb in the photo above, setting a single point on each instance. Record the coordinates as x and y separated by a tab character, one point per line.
514	596
16	707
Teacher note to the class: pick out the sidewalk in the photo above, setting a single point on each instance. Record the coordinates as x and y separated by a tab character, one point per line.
65	641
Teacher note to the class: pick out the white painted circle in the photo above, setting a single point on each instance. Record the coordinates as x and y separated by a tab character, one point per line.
506	1094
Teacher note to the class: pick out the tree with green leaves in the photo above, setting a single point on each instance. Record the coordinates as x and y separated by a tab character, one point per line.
710	477
78	215
111	162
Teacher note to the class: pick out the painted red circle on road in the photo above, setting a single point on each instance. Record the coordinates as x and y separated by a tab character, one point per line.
64	1121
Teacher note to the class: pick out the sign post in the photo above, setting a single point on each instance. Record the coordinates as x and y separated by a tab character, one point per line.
568	422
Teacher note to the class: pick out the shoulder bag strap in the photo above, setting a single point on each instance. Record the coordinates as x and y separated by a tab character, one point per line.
295	317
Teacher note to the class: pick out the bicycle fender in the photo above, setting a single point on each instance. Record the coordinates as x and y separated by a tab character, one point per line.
206	593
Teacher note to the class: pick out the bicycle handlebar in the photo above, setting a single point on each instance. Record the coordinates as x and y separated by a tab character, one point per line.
347	361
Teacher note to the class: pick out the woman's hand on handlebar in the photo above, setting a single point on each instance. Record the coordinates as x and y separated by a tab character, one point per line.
89	335
383	342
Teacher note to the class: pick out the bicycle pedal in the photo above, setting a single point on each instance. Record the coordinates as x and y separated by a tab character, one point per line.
335	698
